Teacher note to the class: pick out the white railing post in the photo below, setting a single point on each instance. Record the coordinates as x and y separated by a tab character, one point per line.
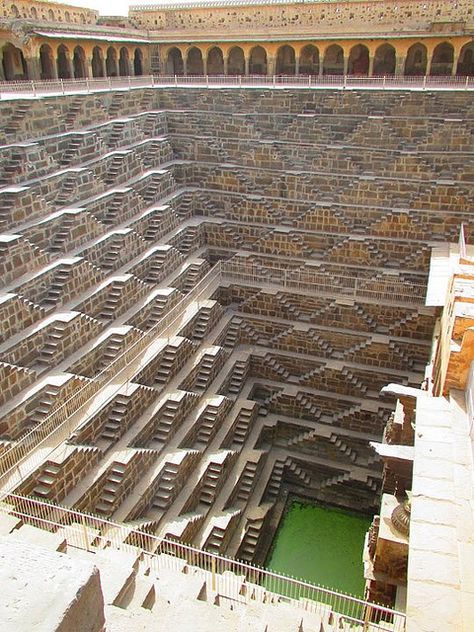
424	82
309	81
152	81
33	88
84	529
274	81
207	81
213	568
467	82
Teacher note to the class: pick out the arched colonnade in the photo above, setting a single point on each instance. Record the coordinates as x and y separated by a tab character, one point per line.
70	62
66	61
310	59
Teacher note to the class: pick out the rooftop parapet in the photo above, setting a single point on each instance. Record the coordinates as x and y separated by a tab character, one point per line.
326	16
45	11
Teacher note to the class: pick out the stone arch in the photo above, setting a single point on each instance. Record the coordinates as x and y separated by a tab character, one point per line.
124	62
34	13
285	60
258	61
442	59
14	11
111	62
309	60
385	60
415	64
51	15
358	61
174	62
97	62
215	61
63	63
14	64
466	60
79	63
236	61
333	63
67	16
138	62
194	64
46	62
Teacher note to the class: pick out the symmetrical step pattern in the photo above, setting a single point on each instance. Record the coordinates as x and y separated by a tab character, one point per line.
211	398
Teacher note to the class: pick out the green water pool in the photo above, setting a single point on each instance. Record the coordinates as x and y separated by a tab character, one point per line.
321	545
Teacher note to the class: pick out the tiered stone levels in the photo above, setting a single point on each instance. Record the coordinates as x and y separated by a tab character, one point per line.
254	386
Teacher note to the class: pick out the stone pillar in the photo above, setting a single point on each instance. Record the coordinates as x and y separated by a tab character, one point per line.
70	65
321	66
146	67
185	66
455	64
400	66
346	64
33	67
247	66
270	66
297	65
204	65
428	64
87	69
54	69
88	64
371	66
226	65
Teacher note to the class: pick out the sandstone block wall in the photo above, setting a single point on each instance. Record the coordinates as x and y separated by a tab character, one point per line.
304	218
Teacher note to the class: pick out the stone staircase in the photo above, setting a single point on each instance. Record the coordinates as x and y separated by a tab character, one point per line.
250	539
107	499
15	121
112	301
238	376
56	287
43	407
209	420
166	489
241	426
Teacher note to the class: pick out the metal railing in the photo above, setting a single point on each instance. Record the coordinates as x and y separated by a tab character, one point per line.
240	582
22	458
10	89
390	290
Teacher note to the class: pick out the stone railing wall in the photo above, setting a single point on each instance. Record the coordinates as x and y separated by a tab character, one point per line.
327	16
47	11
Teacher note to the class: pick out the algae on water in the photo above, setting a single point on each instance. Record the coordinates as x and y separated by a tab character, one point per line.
321	545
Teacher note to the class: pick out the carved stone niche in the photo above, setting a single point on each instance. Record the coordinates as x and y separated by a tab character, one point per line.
398	467
386	555
400	427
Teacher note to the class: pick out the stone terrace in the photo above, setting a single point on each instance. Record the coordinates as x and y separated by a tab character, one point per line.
259	257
